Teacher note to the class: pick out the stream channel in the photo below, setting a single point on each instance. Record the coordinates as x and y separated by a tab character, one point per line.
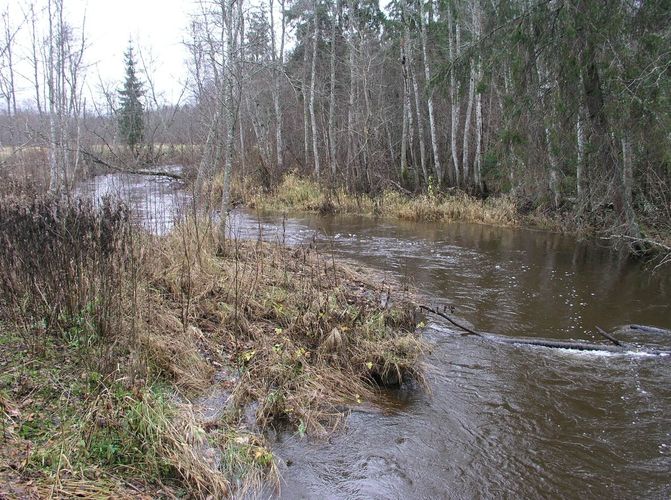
500	421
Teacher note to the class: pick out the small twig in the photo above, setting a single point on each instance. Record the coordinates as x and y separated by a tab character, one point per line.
609	337
445	316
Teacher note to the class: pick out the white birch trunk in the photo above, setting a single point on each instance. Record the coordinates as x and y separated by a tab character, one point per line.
580	139
406	113
478	137
331	119
306	100
427	77
454	93
278	68
420	126
313	119
34	61
352	94
477	173
229	119
54	171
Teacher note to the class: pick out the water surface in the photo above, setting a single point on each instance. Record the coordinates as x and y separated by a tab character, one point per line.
501	420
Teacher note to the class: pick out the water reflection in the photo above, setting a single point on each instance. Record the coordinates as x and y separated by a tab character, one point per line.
156	202
510	281
502	421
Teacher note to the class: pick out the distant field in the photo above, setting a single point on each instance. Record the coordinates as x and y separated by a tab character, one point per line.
8	151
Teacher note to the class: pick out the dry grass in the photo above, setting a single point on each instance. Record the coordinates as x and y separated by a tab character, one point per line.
306	334
499	211
295	193
96	375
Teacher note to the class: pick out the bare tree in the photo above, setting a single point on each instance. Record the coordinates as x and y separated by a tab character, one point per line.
313	119
427	78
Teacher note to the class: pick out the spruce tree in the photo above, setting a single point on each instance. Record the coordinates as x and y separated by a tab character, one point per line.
131	110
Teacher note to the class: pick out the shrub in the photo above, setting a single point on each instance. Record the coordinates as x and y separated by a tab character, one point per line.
64	264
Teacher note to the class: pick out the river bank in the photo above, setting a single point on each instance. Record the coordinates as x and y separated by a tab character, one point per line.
114	341
299	194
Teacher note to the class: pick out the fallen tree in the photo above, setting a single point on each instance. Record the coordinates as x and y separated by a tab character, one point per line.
648	329
127	170
616	347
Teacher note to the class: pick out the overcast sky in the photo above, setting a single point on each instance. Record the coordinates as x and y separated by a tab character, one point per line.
157	27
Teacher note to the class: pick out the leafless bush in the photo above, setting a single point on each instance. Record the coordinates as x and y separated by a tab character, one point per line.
64	265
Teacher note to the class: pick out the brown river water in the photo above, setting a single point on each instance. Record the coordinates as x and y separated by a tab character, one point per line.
500	421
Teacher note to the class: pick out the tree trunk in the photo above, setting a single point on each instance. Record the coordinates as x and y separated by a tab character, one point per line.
420	128
580	167
453	42
278	68
410	75
406	112
230	119
306	100
313	119
631	228
240	75
331	118
477	172
350	104
35	62
427	78
54	171
465	152
545	95
600	139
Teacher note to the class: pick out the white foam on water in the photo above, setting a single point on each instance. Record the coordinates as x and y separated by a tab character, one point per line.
605	354
584	354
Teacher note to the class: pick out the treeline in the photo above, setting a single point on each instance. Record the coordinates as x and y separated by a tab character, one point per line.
564	104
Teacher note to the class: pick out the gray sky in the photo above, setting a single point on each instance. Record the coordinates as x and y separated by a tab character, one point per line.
157	27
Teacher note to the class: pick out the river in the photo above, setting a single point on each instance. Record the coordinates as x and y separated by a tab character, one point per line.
499	420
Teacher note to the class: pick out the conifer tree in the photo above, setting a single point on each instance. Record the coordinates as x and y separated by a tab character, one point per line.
131	110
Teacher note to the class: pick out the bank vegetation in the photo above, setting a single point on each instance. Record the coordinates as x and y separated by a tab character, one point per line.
113	342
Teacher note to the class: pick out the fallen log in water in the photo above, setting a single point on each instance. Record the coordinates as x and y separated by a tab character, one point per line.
552	344
649	329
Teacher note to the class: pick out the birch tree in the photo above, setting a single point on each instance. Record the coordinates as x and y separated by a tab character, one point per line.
313	76
427	78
